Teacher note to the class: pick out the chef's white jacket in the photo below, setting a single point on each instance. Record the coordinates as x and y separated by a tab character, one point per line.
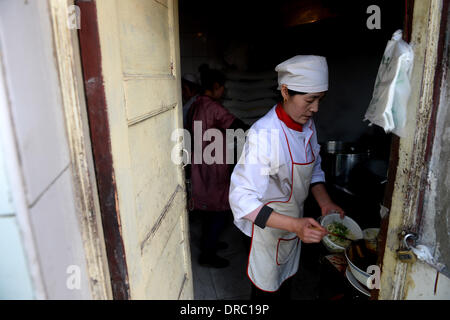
264	171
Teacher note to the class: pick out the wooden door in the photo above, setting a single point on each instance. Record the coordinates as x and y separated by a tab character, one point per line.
130	53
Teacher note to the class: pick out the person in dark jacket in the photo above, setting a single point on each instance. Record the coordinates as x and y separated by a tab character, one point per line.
211	181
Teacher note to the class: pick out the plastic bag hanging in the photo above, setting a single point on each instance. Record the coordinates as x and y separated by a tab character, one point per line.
388	107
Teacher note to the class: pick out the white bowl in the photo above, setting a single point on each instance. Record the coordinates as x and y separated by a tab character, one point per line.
354	282
355	231
360	275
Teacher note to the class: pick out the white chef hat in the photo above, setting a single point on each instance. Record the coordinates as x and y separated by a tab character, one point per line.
304	74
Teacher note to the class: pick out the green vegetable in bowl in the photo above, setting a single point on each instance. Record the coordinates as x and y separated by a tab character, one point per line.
340	230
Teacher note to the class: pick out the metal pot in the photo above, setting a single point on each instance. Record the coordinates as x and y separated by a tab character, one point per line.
339	158
345	162
334	146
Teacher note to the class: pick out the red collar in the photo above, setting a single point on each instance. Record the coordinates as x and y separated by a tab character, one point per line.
283	116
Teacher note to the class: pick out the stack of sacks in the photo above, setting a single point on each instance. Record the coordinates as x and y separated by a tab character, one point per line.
250	95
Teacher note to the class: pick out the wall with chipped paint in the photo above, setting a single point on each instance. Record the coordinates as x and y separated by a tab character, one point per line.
416	281
435	232
139	44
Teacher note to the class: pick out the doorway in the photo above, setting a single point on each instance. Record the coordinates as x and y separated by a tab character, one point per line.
246	41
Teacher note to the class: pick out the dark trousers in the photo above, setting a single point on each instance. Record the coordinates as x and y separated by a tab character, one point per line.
283	293
213	224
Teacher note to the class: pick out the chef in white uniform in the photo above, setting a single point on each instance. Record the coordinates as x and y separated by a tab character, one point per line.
279	166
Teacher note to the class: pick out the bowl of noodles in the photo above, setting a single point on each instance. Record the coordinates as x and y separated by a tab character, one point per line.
346	227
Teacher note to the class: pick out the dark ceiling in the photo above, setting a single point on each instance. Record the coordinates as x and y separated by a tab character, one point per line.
268	27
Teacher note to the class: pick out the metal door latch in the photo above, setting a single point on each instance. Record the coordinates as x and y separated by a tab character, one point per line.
405	253
411	251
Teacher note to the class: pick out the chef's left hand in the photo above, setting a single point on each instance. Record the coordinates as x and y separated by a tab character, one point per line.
331	207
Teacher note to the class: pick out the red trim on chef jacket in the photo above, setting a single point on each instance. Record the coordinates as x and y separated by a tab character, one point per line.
283	116
292	178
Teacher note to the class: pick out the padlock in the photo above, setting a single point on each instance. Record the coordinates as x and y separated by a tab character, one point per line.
406	256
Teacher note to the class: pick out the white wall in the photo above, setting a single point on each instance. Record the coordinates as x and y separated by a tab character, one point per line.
15	280
43	161
421	283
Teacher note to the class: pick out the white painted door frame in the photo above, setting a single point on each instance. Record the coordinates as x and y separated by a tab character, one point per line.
68	62
412	167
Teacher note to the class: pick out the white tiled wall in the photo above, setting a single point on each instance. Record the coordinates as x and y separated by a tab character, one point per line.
6	202
15	281
36	108
55	214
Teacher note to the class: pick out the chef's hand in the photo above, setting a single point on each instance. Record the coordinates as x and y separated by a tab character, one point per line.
331	207
309	230
323	199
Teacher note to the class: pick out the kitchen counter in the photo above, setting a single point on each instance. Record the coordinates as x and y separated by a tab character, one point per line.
332	283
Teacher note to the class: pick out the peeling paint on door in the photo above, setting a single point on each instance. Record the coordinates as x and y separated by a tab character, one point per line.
140	67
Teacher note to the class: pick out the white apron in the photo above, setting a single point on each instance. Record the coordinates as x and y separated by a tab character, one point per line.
274	253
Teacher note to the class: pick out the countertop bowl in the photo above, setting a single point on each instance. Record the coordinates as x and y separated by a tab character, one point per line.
360	275
355	231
